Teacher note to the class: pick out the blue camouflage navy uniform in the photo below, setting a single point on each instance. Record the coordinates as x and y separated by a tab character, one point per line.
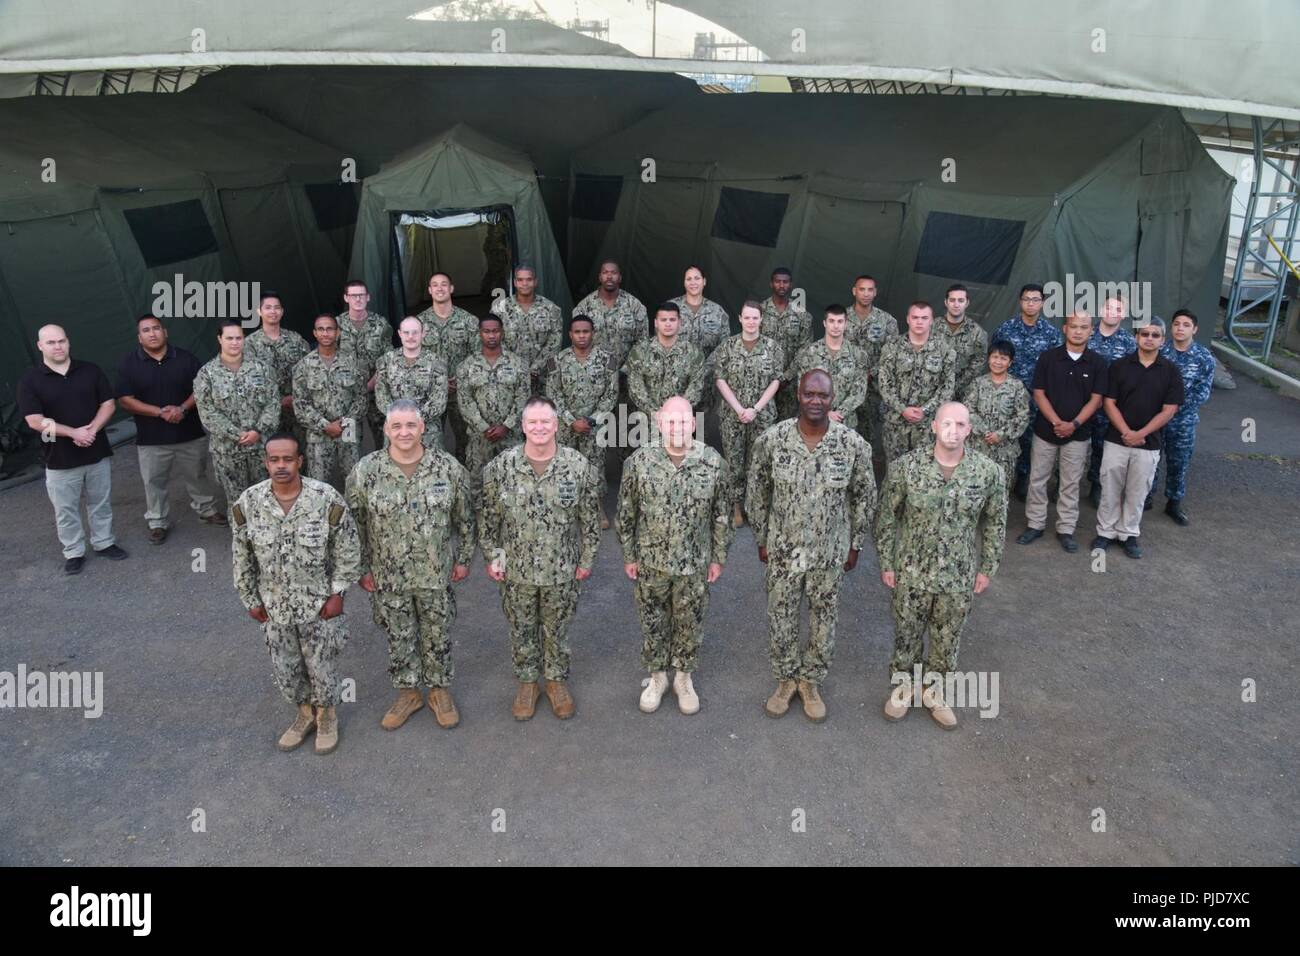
1109	347
1030	342
1179	435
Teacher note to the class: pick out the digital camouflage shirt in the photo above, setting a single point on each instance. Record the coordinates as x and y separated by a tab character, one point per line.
926	530
790	328
748	372
423	381
280	355
809	508
618	327
452	340
367	344
970	345
848	368
292	563
534	335
323	393
406	524
675	519
491	393
543	528
232	402
916	377
655	374
582	388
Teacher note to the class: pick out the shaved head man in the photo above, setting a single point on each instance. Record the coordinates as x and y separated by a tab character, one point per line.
68	402
933	501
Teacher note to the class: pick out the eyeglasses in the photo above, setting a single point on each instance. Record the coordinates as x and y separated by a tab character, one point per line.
1149	335
356	295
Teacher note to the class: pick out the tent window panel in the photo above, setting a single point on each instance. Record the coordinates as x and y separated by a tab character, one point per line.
969	248
748	216
333	204
174	232
595	198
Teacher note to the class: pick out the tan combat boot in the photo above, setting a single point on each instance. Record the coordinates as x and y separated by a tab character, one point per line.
899	702
292	738
814	707
933	700
443	707
654	692
327	730
408	702
688	702
526	700
779	702
557	692
737	516
604	519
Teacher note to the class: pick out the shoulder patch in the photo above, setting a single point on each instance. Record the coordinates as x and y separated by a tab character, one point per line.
336	515
238	513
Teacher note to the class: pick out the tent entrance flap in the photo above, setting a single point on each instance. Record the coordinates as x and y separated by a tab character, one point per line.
475	247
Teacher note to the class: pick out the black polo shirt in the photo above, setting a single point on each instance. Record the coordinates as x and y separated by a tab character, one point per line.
1139	392
168	381
1069	384
71	399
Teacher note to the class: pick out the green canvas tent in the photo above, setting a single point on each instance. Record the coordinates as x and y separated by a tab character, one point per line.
103	198
457	174
919	191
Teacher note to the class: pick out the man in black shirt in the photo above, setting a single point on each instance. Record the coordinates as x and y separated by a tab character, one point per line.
1143	392
1068	385
68	402
155	383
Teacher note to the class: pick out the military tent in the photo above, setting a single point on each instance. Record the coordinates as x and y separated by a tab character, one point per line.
455	180
918	191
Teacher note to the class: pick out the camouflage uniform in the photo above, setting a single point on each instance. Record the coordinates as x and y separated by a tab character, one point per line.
544	529
423	381
970	344
791	329
910	376
848	371
747	373
1110	347
232	402
1003	409
616	328
366	346
673	522
1030	342
809	509
405	526
925	534
280	356
870	335
327	393
655	374
490	393
534	335
453	341
291	564
583	389
705	328
1179	436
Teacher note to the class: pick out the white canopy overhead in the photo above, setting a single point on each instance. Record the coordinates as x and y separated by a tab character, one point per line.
1236	57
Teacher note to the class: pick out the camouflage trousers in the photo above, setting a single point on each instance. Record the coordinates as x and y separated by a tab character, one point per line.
786	589
417	623
671	608
1027	442
304	659
289	423
539	616
236	468
375	419
1179	439
590	449
899	436
943	612
737	443
330	459
478	453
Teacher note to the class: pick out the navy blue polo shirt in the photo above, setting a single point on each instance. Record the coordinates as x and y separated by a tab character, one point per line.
70	399
1069	384
161	382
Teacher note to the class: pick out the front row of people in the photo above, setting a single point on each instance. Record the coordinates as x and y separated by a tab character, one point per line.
406	528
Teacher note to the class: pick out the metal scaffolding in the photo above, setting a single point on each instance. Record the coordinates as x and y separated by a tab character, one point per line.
1272	213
